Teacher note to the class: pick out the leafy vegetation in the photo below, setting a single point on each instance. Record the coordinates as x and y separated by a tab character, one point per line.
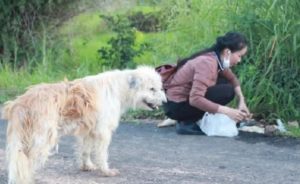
148	22
121	49
24	38
271	71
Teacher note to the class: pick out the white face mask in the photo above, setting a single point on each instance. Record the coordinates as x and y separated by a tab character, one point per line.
226	62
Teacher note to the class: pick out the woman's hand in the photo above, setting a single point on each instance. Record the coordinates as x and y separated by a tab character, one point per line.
243	107
235	114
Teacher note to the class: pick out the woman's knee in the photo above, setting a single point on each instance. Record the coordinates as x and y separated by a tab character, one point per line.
228	94
221	94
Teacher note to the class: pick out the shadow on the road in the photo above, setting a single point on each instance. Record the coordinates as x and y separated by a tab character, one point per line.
275	140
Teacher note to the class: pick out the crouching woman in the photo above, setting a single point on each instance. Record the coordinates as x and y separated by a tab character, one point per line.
204	82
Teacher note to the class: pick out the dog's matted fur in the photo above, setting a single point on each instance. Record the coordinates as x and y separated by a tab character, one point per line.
89	108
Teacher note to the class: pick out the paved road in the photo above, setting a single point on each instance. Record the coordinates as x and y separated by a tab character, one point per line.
145	154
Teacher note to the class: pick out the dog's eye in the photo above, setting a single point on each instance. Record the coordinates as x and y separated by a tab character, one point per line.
152	89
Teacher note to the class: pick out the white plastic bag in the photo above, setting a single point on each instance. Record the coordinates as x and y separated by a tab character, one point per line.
218	125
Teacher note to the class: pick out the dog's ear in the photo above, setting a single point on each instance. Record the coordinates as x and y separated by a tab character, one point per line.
133	81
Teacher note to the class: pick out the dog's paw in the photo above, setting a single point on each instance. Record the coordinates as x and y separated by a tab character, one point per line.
88	167
111	172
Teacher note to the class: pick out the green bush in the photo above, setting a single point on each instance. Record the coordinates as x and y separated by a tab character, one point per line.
22	29
148	22
122	48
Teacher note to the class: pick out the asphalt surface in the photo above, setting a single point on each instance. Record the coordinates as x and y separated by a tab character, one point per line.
145	154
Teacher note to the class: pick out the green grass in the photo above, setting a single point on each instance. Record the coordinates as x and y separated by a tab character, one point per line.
84	35
271	84
15	83
293	132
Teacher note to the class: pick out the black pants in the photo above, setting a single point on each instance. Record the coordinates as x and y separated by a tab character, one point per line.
222	93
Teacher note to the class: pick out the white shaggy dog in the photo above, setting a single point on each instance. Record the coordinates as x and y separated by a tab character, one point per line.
89	108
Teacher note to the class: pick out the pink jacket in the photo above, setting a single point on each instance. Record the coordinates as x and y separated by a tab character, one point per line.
191	81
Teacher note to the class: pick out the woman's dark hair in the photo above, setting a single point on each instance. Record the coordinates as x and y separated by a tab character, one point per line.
232	40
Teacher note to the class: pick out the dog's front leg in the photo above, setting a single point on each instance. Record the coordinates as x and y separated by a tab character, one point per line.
101	152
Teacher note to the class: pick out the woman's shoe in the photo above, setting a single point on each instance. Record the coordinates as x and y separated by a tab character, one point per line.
188	128
166	122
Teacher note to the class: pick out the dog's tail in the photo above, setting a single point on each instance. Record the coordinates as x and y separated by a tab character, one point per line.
20	167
